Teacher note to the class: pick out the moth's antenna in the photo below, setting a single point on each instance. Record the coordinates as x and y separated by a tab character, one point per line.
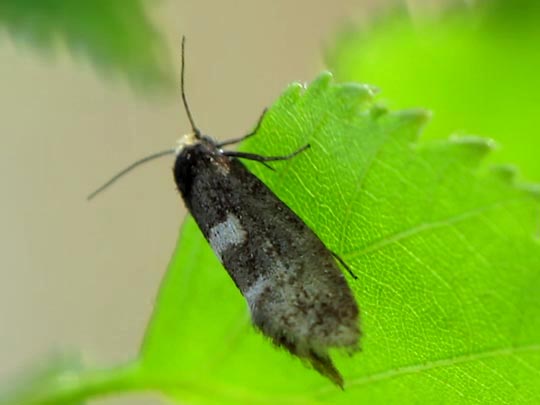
139	162
129	168
196	131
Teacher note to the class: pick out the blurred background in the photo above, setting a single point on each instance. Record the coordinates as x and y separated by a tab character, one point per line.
87	88
83	275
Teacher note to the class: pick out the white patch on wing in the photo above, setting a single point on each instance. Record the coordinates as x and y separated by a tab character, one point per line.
256	289
226	234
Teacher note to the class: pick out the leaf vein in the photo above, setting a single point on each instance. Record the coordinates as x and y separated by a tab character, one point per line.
426	226
442	363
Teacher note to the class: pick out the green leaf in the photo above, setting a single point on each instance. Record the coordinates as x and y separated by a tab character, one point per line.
475	67
447	266
446	251
116	36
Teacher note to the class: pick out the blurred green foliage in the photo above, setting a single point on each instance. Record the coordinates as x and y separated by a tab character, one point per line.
476	68
117	37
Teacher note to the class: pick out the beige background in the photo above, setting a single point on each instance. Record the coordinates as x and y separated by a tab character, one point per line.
78	275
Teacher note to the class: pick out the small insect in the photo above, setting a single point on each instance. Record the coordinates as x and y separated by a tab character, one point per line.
296	293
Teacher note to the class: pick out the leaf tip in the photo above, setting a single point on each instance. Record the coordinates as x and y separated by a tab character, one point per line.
292	93
475	147
473	140
412	121
418	116
322	81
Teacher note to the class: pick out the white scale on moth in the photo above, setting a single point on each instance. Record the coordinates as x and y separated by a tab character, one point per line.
226	234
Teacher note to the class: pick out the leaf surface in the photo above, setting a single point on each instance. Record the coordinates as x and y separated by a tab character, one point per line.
444	250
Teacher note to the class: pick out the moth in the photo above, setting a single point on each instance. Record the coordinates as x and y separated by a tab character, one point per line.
296	293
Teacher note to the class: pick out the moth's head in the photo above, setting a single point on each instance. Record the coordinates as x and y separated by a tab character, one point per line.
188	141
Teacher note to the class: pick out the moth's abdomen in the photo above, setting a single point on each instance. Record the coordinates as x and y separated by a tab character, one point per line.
306	307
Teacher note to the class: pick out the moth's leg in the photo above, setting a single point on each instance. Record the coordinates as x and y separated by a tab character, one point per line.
345	265
236	140
263	159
